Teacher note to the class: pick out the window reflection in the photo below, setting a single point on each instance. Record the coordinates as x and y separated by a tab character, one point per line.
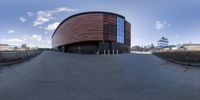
120	30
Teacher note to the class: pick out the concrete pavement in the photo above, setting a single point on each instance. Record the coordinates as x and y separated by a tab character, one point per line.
62	76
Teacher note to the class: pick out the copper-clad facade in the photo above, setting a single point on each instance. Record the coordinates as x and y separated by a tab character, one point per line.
91	32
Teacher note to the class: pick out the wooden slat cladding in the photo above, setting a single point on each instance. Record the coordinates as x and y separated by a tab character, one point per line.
109	28
87	27
127	33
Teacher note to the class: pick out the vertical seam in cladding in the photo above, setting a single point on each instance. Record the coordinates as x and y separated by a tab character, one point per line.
103	29
125	32
116	28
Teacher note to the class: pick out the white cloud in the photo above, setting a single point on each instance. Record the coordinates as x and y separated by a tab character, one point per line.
161	24
47	15
12	40
65	9
22	19
33	37
47	41
46	32
42	17
36	40
36	37
52	27
30	14
31	40
40	27
11	31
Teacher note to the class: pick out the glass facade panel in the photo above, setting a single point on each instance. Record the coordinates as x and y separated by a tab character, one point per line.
120	30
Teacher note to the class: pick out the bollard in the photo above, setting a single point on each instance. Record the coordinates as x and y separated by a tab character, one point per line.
108	52
97	52
104	52
117	52
113	52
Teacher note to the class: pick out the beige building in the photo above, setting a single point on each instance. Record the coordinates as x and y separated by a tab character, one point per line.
6	47
192	47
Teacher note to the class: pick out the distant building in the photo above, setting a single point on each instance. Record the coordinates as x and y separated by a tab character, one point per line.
139	48
191	47
24	47
6	47
174	47
163	42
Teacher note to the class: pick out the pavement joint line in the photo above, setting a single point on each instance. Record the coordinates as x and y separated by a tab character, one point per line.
166	62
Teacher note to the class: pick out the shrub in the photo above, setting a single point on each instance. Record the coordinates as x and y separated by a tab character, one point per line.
182	56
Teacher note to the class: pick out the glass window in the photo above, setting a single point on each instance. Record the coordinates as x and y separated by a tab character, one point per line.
120	30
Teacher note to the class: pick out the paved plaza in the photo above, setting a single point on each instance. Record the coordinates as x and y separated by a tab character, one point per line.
63	76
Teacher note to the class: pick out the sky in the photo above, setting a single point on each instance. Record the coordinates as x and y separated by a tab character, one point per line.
34	21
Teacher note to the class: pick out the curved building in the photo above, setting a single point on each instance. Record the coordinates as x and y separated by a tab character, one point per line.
93	32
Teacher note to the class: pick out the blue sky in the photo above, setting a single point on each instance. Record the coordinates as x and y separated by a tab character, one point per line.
33	21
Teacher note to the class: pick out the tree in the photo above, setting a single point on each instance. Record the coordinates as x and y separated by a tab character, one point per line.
24	46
